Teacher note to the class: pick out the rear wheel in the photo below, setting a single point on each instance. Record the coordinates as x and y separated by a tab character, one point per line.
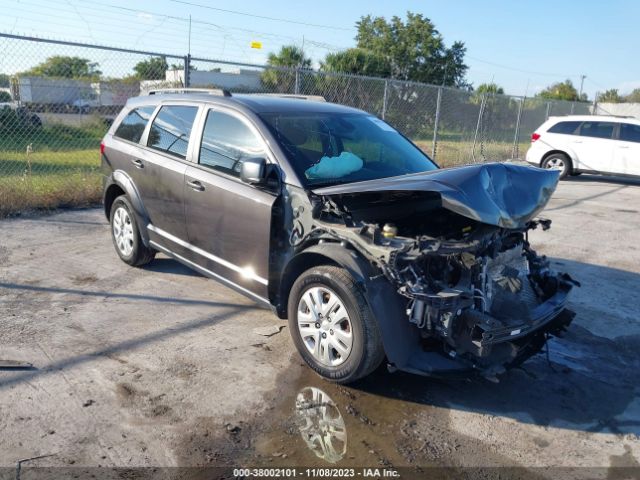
126	236
559	162
332	325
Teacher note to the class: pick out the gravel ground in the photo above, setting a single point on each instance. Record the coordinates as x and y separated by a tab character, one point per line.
162	367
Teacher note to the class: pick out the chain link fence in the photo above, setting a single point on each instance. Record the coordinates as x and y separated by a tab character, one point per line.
57	100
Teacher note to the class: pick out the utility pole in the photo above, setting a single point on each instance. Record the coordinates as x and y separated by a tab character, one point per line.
187	60
189	43
582	77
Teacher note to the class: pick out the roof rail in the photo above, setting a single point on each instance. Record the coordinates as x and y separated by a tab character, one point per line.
311	98
211	91
591	115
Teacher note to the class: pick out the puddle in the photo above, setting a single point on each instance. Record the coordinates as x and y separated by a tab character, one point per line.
317	423
413	423
384	421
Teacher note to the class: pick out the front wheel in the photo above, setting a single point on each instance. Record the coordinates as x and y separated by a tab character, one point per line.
332	325
558	161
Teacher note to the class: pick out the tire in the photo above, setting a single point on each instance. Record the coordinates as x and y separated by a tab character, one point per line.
126	235
558	161
350	318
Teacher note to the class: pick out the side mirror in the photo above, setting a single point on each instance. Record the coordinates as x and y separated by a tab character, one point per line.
253	171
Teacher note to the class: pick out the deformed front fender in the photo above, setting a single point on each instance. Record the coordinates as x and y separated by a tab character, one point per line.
120	180
400	338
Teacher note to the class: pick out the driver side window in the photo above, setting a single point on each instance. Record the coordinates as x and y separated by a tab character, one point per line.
226	141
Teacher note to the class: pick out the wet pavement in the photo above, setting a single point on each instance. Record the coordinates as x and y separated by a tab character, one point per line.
403	421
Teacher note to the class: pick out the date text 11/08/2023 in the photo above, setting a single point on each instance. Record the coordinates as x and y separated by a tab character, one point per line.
315	473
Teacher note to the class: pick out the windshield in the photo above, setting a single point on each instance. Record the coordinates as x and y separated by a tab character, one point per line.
334	148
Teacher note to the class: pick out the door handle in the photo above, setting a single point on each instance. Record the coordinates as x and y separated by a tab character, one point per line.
577	141
623	146
138	163
196	185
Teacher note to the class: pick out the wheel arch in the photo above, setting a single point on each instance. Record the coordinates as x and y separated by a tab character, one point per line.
112	192
119	183
400	338
329	253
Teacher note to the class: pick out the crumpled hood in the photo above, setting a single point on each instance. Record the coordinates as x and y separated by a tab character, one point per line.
500	194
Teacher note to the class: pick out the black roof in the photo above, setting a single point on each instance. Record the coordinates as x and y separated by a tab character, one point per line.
255	103
274	104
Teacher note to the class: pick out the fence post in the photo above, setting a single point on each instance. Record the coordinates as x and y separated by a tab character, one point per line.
384	99
187	70
435	125
516	147
475	136
573	104
548	111
296	88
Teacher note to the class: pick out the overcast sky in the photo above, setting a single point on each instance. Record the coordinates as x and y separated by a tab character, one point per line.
522	46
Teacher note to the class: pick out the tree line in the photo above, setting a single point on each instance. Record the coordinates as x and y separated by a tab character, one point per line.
613	96
409	50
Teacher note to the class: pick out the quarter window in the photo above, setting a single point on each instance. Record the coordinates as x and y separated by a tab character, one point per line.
133	125
227	141
630	132
566	128
597	129
171	129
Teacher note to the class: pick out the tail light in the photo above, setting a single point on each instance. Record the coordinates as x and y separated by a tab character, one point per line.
101	148
534	137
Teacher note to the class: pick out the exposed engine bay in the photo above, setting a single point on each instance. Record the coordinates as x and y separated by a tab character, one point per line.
475	292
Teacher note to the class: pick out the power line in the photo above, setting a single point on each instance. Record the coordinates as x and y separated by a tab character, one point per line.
596	84
184	20
530	72
169	36
115	16
332	27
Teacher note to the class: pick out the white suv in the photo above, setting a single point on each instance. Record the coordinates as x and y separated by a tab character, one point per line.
578	144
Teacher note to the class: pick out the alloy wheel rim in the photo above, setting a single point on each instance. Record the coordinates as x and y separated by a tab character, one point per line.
321	424
324	326
555	164
123	231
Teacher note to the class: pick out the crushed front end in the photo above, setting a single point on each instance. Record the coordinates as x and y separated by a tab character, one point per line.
485	298
470	285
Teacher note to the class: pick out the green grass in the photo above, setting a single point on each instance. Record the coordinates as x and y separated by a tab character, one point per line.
53	137
48	179
62	168
450	153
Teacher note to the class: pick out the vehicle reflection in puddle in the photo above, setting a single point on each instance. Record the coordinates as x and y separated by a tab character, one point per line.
315	423
321	424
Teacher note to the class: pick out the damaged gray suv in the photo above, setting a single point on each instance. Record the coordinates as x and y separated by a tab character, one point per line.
336	221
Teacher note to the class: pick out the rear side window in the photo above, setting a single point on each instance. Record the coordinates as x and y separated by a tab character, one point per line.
597	129
133	125
171	129
227	141
566	128
630	132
